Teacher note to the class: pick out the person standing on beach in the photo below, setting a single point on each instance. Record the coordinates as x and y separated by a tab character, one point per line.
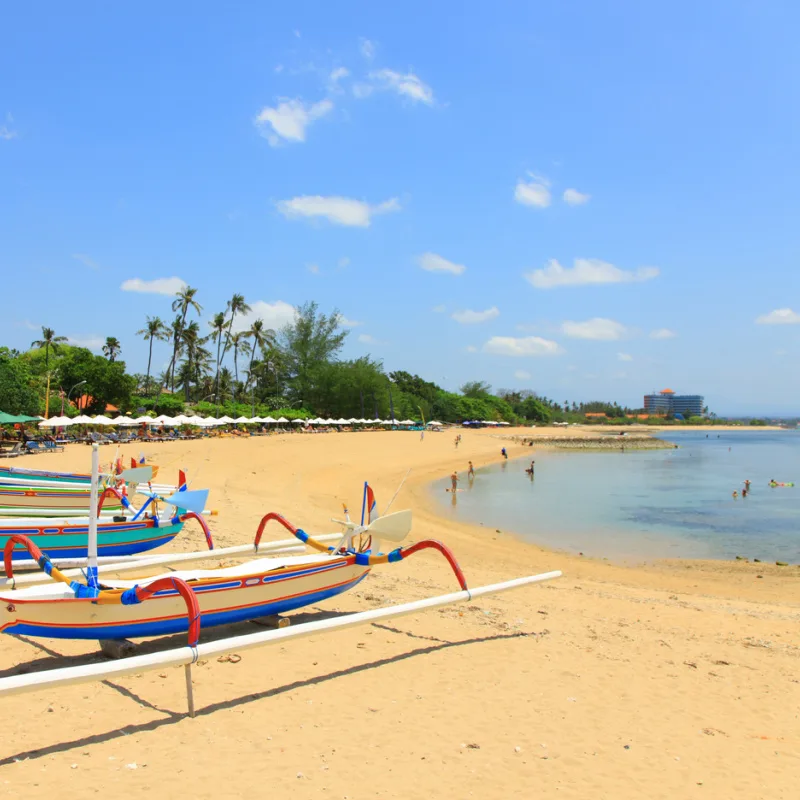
471	472
504	453
454	482
458	439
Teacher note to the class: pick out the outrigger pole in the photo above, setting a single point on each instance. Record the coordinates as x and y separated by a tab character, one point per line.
186	656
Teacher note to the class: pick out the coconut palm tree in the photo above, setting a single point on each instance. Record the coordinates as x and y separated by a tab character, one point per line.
155	329
198	358
236	305
240	344
261	339
50	342
184	300
218	325
112	348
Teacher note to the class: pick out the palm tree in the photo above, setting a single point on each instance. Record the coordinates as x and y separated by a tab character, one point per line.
262	338
184	300
112	348
176	331
218	325
236	305
239	344
154	329
50	342
198	358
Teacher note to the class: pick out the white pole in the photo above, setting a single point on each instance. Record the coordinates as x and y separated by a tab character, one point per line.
36	681
115	564
91	572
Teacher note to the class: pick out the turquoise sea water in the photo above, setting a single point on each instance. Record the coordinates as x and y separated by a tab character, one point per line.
641	505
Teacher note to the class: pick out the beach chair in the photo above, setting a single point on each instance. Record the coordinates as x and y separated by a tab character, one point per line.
52	447
97	438
16	450
34	447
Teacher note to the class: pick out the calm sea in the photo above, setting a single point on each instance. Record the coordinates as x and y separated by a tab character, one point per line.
640	505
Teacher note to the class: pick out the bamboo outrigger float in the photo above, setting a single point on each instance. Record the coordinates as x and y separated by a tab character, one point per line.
192	600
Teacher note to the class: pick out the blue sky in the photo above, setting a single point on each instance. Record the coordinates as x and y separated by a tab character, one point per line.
589	199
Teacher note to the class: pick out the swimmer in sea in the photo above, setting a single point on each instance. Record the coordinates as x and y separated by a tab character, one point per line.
471	471
735	495
454	482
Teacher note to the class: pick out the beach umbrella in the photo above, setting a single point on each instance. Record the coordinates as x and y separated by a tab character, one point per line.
269	420
435	423
282	420
298	421
226	420
241	419
407	422
55	422
82	420
101	419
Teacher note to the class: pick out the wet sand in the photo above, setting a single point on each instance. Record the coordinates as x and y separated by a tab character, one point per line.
678	679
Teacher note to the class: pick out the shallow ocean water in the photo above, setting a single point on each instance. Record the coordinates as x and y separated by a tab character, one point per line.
649	504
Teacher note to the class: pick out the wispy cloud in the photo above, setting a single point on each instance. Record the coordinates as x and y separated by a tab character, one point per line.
406	84
624	356
273	315
368	338
598	329
440	309
662	333
287	121
343	262
31	326
469	317
167	286
522	346
89	342
313	268
470	348
348	323
573	197
432	262
86	261
338	74
6	132
338	210
534	192
522	375
585	272
367	48
780	316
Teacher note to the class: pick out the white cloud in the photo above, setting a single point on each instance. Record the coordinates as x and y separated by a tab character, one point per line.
469	317
343	262
440	309
339	210
366	338
599	329
6	133
585	272
89	342
573	197
348	323
274	315
26	323
433	262
662	333
313	268
535	192
408	85
86	261
289	119
362	90
521	346
624	356
168	286
780	316
338	74
470	348
522	375
367	48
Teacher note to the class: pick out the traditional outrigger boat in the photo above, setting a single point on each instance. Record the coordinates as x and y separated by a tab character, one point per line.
191	600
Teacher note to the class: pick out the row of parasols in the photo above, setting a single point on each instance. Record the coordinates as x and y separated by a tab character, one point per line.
210	422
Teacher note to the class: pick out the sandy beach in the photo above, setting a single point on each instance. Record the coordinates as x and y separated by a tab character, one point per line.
671	680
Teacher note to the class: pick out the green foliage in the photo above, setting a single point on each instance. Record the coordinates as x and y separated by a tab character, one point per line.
18	385
758	422
169	404
309	344
476	389
106	381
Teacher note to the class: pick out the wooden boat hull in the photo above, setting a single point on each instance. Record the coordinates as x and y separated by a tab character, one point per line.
50	498
35	475
63	539
256	589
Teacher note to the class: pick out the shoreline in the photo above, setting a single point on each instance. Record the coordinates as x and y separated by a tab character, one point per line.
534	691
